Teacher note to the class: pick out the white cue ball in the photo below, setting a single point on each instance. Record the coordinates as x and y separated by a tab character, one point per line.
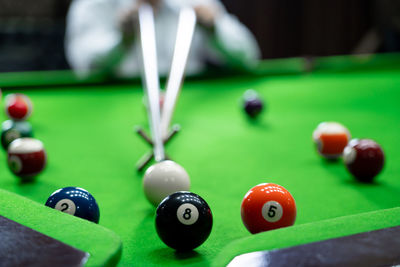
164	178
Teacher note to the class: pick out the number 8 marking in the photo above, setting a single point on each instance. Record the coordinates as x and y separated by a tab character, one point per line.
187	214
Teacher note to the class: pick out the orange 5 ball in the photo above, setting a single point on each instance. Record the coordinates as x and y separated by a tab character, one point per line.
266	207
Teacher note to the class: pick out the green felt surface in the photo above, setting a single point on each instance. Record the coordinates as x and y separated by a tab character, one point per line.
310	232
88	133
286	66
103	245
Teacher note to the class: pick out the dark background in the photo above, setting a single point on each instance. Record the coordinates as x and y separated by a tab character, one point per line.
32	32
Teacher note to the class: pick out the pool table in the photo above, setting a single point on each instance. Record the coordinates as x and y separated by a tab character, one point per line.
87	127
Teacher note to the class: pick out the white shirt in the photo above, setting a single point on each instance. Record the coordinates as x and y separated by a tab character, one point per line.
93	34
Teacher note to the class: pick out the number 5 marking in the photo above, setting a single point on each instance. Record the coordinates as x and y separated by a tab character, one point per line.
272	211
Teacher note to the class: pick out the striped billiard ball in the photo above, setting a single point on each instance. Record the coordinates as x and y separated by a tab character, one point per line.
330	139
364	159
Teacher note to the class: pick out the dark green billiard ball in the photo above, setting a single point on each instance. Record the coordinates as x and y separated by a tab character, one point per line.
11	130
183	221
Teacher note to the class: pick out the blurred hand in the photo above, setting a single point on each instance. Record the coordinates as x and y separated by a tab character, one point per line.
207	14
128	19
154	3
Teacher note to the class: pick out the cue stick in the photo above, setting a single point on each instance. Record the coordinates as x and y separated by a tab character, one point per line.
143	161
184	36
151	81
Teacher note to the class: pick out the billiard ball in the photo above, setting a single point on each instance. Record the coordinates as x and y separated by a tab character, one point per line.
267	206
252	104
183	221
75	201
330	139
11	130
364	159
18	106
163	179
26	157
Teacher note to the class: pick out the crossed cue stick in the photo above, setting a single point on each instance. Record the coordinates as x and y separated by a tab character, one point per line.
160	120
146	158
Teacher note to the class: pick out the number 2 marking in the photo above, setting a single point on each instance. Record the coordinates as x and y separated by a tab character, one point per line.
64	206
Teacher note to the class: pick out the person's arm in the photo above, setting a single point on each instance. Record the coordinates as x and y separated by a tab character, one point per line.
96	38
231	41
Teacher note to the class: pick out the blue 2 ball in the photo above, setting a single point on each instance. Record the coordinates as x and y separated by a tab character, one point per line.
75	201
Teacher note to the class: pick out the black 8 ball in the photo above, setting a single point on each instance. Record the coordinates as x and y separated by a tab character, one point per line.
183	221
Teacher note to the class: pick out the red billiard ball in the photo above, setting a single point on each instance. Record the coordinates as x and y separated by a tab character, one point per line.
330	139
268	206
18	106
26	157
364	158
